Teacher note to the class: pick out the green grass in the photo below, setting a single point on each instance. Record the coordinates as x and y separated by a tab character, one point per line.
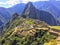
55	27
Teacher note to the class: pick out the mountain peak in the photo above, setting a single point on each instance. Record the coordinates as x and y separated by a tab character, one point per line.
14	16
29	7
31	12
29	4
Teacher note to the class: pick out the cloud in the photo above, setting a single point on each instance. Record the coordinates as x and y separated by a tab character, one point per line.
11	3
25	1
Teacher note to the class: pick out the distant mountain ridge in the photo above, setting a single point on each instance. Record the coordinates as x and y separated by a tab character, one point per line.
6	13
17	8
49	6
4	16
31	12
41	5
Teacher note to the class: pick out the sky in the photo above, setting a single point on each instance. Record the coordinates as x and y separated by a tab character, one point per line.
10	3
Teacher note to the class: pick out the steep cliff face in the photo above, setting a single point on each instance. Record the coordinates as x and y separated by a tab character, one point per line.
31	12
4	18
4	15
1	22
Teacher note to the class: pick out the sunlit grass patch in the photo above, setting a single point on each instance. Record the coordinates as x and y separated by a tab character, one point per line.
55	27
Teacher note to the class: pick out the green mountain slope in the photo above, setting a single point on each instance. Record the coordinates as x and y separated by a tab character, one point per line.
25	31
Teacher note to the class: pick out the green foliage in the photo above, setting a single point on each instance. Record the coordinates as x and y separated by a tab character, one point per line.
39	37
7	42
29	21
28	40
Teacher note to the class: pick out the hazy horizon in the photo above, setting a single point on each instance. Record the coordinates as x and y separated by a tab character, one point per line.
10	3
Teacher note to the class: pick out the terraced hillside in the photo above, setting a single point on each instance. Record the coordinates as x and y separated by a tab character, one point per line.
26	31
56	31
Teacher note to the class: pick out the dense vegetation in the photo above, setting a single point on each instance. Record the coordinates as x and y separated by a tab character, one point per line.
25	31
37	39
